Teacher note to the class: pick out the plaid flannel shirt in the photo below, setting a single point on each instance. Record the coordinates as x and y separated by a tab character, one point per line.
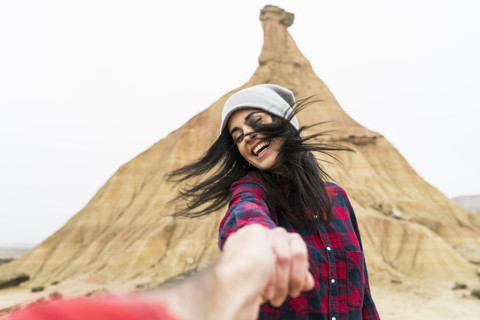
337	263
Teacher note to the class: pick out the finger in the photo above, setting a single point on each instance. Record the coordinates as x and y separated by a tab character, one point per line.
298	264
280	245
281	287
309	282
269	291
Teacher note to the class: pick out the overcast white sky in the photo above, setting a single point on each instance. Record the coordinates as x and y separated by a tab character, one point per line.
85	86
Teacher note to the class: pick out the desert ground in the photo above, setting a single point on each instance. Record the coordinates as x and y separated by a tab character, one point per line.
396	299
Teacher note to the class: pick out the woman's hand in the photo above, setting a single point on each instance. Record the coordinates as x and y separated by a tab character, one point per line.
290	275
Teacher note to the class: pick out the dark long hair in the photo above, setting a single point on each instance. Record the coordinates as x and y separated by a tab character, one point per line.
209	178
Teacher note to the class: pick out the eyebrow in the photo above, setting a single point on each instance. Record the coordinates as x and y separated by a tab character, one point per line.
251	114
246	119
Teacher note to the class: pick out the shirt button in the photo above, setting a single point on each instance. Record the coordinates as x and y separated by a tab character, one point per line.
328	248
333	318
332	281
315	216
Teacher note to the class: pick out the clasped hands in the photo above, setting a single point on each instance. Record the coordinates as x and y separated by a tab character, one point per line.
257	265
281	261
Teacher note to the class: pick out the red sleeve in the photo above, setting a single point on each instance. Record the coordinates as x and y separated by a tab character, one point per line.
247	206
111	308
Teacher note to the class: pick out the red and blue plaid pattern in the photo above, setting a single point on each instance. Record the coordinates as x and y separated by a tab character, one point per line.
337	263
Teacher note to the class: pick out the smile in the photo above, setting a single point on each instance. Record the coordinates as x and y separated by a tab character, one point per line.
259	148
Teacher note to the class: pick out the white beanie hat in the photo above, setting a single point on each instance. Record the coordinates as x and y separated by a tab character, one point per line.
267	97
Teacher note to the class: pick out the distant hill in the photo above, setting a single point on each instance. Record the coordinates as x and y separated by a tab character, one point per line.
471	203
10	254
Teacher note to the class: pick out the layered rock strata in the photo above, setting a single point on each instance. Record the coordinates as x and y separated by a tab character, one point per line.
124	234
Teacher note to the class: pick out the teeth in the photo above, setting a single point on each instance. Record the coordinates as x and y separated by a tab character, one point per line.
259	147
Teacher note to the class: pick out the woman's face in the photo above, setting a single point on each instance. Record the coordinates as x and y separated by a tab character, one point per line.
258	152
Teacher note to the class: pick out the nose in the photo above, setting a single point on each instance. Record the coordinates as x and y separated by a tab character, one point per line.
249	136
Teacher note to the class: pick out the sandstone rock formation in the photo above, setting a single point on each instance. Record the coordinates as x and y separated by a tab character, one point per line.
12	280
125	236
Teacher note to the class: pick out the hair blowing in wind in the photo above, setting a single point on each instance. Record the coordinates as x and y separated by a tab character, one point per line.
205	182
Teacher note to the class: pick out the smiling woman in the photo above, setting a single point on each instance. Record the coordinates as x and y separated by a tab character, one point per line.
255	148
252	119
265	169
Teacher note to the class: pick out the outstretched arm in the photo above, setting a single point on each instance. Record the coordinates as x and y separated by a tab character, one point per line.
232	287
248	207
254	259
257	264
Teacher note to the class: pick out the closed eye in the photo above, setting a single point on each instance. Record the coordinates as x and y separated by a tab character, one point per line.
238	138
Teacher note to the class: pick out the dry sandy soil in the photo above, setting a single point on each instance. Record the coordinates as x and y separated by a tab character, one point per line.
410	299
415	299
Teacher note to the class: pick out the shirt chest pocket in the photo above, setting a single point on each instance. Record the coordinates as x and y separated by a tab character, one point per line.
355	282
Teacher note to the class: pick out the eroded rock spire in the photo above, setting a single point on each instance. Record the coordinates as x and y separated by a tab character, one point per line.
276	13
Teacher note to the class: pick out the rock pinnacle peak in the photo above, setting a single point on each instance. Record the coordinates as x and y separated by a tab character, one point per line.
276	13
126	239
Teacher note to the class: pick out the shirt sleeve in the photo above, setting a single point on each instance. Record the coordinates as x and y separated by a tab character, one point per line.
247	206
369	310
105	308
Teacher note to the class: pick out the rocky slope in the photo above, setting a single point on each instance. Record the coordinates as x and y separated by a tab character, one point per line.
124	236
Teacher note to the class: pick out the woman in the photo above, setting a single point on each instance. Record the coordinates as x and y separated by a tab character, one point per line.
265	169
